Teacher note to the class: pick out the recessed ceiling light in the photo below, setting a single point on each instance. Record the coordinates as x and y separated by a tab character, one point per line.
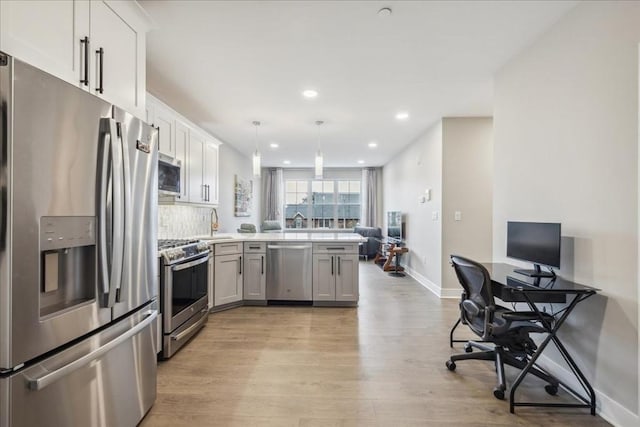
385	11
360	162
402	115
373	144
310	93
286	162
274	145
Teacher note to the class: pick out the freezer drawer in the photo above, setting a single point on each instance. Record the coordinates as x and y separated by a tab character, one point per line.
289	272
108	379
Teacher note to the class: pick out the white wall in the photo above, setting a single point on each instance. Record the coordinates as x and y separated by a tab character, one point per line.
454	159
232	163
467	180
404	179
566	150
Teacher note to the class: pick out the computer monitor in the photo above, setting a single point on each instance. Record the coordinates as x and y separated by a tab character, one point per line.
394	226
536	242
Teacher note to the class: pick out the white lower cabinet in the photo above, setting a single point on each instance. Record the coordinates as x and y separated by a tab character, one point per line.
227	279
335	275
347	278
255	277
324	279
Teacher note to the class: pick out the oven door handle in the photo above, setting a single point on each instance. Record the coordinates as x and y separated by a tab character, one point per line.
191	328
184	266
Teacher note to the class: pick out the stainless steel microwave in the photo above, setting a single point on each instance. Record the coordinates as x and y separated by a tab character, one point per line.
169	175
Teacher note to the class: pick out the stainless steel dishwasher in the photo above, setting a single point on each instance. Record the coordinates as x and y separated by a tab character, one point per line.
289	272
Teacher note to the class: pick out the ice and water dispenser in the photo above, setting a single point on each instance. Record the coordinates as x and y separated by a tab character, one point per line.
67	262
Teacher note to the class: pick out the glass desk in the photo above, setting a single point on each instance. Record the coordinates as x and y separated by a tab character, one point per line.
509	286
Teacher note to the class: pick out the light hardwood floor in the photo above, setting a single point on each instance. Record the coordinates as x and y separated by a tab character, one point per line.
381	364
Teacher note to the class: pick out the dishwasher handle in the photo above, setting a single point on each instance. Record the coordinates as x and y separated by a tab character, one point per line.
289	247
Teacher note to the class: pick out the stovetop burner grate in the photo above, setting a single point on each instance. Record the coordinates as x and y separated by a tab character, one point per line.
174	243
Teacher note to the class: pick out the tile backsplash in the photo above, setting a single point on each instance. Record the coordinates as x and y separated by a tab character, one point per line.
180	222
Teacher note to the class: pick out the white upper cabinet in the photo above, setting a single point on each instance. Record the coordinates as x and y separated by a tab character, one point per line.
47	34
203	169
96	45
182	153
210	170
195	167
118	54
165	121
195	148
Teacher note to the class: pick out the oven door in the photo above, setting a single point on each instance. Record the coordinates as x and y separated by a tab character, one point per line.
185	291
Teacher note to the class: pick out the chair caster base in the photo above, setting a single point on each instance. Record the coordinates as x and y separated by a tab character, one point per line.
498	393
468	348
451	365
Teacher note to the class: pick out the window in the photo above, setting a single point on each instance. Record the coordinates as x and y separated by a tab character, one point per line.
296	203
332	204
348	203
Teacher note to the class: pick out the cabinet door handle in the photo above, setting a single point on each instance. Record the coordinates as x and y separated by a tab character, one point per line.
332	265
204	193
338	266
208	193
100	52
85	42
262	264
240	264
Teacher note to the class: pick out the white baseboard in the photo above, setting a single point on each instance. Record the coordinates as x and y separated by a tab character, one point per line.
428	284
612	411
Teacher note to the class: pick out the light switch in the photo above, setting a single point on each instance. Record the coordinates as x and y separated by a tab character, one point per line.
457	216
434	215
427	193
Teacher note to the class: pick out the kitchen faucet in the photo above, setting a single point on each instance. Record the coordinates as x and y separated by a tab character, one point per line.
214	221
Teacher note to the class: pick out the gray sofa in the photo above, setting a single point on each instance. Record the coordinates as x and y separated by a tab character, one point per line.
373	234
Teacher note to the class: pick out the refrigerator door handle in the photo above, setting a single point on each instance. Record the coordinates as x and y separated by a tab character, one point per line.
48	379
127	218
111	203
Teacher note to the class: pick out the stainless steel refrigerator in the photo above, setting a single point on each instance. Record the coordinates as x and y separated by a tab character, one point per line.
78	262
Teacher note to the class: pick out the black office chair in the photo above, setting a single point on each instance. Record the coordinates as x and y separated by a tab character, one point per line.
507	330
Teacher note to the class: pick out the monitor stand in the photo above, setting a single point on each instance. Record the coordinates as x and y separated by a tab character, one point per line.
536	272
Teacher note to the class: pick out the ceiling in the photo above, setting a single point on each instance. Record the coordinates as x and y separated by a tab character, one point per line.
224	64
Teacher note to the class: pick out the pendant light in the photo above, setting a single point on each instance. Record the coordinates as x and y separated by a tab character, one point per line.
319	158
256	154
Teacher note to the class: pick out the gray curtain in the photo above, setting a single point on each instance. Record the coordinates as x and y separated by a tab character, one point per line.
370	197
273	194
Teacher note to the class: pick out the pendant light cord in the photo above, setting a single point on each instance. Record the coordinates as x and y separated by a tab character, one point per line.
256	123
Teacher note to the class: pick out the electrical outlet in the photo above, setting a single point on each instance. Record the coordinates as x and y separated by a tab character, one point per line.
457	216
434	215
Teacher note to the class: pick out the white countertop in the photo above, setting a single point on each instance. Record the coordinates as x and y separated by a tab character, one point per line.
283	237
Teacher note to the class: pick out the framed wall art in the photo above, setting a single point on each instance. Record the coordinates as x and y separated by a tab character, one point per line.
243	196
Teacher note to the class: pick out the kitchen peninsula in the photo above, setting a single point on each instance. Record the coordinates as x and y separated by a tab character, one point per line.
270	268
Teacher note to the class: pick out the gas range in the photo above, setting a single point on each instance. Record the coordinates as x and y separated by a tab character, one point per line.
185	268
180	250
